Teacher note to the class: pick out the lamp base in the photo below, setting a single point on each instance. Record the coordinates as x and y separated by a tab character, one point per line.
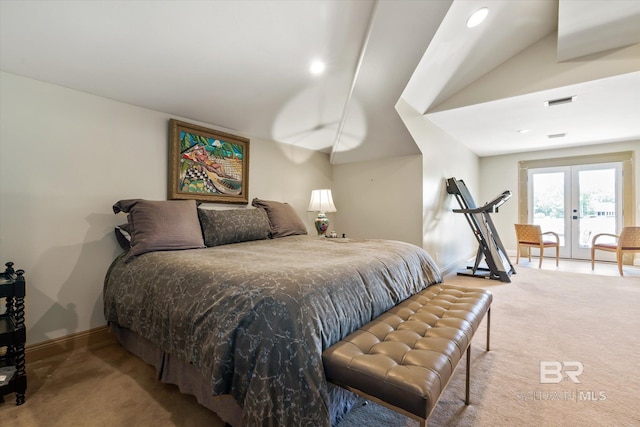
322	224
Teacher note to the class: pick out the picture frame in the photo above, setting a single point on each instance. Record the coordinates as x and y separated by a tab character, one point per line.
207	165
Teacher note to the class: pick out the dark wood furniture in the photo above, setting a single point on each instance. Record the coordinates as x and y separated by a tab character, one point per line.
13	335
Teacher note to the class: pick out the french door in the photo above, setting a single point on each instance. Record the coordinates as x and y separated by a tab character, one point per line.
577	202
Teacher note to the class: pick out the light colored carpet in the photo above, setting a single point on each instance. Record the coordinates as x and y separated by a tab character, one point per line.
541	316
544	316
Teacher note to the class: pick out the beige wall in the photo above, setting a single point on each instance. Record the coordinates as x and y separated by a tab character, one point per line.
65	158
405	198
499	173
380	199
445	235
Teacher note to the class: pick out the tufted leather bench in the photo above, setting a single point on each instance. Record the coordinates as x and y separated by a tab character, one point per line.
405	357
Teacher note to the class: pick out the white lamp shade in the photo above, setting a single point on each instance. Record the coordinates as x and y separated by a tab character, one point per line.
321	201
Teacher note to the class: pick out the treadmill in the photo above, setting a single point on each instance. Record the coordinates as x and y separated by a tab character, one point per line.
498	265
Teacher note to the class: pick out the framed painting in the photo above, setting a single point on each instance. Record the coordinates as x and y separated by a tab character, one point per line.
207	165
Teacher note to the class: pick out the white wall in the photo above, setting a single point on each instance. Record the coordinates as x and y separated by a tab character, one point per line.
65	158
499	173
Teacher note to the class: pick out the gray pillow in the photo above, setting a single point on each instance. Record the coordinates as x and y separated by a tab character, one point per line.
161	225
283	218
221	227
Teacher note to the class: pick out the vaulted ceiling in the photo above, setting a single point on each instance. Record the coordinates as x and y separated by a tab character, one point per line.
244	66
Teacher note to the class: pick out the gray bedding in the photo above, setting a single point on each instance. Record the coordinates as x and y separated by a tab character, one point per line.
254	317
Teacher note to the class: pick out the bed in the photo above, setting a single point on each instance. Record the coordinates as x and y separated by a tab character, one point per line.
242	324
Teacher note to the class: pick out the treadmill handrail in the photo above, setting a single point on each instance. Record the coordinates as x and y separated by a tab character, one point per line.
500	200
476	210
489	206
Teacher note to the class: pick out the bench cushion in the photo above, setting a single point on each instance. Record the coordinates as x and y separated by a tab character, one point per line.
406	356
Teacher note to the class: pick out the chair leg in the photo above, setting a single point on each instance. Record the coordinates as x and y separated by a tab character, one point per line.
619	256
517	254
529	252
541	255
593	258
557	255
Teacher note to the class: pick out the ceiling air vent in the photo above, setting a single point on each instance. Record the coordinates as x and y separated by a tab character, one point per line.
554	102
556	135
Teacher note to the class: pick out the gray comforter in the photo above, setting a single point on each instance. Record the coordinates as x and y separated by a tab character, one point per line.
254	317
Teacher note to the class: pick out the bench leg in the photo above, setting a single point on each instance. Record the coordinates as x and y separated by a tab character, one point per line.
488	328
468	377
466	395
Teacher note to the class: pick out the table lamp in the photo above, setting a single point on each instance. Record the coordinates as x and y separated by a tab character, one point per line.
321	201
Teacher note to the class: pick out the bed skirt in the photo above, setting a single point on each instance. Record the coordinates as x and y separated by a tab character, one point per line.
172	370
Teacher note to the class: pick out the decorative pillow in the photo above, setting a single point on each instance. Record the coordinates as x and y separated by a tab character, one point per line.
221	227
283	218
161	225
123	236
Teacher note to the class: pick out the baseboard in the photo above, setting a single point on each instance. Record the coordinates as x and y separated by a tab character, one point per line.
457	265
449	269
57	346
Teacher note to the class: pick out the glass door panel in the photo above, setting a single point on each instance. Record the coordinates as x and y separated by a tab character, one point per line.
577	202
598	199
547	204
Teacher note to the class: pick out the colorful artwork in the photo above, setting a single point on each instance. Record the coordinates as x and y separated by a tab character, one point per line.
207	165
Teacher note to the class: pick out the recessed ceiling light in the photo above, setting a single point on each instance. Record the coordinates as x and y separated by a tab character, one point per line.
317	67
523	130
477	17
